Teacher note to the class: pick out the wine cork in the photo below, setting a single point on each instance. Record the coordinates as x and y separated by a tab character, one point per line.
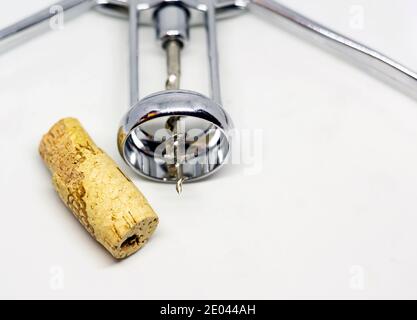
92	186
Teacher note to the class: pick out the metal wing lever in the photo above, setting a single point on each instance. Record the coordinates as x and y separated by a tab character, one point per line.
373	61
70	7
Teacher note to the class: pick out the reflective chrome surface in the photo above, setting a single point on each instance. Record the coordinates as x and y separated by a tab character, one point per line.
120	8
133	53
224	9
145	141
172	23
373	61
186	115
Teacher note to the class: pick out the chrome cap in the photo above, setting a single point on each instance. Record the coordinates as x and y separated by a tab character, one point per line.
146	140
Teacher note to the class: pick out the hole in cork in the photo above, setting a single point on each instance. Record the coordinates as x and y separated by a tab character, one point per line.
130	242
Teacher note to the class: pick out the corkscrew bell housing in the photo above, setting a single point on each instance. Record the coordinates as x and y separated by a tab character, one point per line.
178	135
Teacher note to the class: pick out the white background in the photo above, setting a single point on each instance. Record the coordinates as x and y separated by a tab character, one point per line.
331	212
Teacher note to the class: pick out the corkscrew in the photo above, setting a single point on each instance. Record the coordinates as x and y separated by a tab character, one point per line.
178	135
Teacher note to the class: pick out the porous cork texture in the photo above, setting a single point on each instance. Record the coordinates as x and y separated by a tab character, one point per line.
92	186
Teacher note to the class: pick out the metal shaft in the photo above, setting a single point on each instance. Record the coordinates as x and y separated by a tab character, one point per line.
213	53
173	51
172	28
134	52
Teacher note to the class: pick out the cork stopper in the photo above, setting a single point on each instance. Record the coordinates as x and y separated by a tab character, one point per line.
93	187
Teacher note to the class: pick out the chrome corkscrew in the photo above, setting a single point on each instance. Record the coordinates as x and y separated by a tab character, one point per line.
178	135
175	135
